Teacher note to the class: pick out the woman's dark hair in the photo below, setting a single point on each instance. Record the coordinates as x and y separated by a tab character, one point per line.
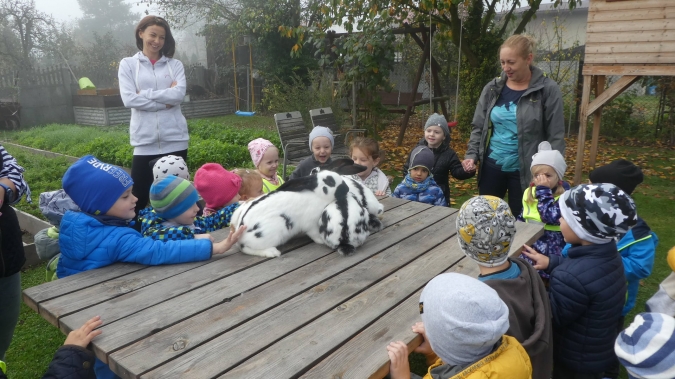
169	47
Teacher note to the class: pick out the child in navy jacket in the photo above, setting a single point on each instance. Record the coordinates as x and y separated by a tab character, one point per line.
588	289
418	184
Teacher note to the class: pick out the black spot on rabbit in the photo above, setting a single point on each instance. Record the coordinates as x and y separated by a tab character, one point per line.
374	223
289	223
330	182
325	190
258	234
254	228
323	227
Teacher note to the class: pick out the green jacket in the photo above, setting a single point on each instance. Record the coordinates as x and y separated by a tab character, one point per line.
539	116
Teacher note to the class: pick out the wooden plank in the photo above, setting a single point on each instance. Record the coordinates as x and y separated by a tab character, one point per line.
309	344
630	58
135	299
632	36
428	231
365	355
611	93
628	15
583	120
597	117
642	47
153	319
601	5
35	295
642	70
619	26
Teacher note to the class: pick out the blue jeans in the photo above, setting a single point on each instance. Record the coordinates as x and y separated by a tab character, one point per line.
495	182
10	298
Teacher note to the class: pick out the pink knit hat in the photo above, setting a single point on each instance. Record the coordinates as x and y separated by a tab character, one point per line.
216	185
257	148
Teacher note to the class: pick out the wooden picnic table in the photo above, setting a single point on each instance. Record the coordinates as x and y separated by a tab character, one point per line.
310	313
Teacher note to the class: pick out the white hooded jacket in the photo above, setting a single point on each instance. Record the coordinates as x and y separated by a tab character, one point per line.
154	129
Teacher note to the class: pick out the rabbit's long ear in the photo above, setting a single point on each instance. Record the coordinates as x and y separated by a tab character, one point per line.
305	183
344	166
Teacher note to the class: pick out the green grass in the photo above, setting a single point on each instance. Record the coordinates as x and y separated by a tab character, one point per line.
35	340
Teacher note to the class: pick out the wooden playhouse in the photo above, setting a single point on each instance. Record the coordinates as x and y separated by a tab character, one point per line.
626	38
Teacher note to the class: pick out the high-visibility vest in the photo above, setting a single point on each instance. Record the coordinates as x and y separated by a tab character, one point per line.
531	213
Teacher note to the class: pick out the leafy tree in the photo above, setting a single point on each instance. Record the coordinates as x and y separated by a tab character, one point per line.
27	32
107	16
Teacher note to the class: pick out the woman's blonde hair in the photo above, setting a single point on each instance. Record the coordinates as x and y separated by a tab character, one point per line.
558	190
523	44
248	178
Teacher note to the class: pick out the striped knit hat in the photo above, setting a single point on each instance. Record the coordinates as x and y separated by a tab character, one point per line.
647	347
171	196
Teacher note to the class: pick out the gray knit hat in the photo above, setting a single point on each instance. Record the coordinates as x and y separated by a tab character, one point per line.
422	156
486	228
439	120
321	131
463	318
549	157
598	213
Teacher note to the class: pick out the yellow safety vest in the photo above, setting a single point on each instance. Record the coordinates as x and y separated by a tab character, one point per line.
531	213
269	187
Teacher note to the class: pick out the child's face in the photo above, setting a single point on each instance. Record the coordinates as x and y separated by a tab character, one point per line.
124	207
269	163
568	234
359	157
419	174
321	148
255	190
187	217
434	136
545	176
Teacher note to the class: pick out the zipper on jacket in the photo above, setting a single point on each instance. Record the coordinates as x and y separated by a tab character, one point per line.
159	139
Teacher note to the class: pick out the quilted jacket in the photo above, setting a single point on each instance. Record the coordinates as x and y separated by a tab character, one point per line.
587	292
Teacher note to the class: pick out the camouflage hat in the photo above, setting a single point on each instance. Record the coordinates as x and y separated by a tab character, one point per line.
486	228
598	213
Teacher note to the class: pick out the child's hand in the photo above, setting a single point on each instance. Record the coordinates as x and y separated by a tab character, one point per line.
232	238
399	368
380	193
82	336
425	347
204	237
469	165
543	180
540	261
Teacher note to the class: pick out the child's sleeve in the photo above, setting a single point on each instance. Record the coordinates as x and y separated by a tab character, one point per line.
638	259
547	205
663	301
456	168
440	198
569	299
397	192
133	248
220	219
174	233
12	171
71	361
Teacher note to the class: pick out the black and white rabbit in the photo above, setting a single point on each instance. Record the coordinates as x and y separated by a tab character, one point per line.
344	225
292	209
367	199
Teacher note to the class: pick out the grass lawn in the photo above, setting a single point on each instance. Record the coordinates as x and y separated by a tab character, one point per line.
35	341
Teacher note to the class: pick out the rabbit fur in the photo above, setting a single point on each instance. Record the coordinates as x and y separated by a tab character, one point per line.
292	209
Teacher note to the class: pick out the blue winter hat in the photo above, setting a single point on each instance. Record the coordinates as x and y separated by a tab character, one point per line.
171	196
95	186
647	347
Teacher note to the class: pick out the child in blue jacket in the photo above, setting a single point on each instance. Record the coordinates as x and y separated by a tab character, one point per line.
419	185
98	235
637	247
173	212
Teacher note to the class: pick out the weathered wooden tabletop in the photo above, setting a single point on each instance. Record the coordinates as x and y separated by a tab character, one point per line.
309	313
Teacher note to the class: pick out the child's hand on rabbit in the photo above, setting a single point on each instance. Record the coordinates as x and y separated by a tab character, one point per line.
225	245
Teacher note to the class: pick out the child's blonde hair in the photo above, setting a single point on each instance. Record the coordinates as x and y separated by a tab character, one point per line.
248	178
368	146
559	190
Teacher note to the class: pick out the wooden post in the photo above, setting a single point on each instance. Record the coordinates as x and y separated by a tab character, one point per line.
416	83
583	119
597	117
435	68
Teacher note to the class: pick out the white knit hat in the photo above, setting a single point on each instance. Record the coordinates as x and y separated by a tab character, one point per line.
549	157
170	165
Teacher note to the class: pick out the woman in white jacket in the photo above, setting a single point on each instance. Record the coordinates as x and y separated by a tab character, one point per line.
152	84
